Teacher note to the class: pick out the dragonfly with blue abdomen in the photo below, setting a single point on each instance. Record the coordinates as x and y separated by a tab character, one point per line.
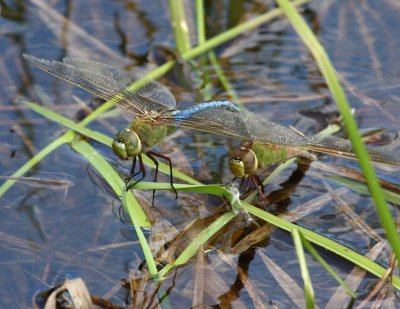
156	116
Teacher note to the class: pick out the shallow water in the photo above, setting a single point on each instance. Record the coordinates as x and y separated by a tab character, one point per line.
51	233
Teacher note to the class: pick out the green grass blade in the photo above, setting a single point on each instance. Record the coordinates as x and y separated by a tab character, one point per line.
361	187
315	238
111	176
131	209
179	25
234	32
66	138
224	81
230	193
199	241
308	288
101	138
338	94
323	242
324	264
201	39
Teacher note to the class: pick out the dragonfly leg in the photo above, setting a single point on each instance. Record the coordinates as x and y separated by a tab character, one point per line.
155	174
133	167
156	154
247	179
241	182
142	171
258	184
245	183
132	171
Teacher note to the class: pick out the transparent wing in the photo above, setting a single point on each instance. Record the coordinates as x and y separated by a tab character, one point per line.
224	118
228	120
342	147
109	83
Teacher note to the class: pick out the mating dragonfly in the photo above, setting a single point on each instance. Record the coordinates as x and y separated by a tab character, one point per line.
156	116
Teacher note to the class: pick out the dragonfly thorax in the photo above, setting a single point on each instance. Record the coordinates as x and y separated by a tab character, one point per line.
149	132
126	144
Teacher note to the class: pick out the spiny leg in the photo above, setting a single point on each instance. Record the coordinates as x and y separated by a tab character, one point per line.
241	183
259	185
242	180
156	154
132	171
155	174
142	171
245	183
248	178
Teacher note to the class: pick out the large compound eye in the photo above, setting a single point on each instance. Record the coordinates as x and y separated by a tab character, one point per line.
236	164
236	167
119	149
126	144
243	163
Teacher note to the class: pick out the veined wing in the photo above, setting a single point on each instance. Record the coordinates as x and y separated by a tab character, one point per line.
342	147
109	83
225	118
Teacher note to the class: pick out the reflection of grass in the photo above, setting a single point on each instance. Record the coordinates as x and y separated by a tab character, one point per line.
301	236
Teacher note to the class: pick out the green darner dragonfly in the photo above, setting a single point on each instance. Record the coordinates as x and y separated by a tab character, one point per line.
153	105
264	142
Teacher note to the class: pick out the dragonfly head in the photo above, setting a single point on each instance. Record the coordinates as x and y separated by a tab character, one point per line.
243	162
126	144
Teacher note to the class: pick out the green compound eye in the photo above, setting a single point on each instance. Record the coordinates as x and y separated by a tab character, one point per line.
243	163
126	144
236	167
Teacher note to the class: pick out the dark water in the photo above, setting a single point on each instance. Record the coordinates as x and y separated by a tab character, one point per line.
73	230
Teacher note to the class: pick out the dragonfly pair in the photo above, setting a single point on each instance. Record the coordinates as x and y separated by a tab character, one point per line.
156	116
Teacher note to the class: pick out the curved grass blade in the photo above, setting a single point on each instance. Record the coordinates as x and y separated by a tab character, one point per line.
200	240
360	187
101	138
113	179
65	138
230	193
324	242
338	94
131	208
315	238
308	288
324	264
179	25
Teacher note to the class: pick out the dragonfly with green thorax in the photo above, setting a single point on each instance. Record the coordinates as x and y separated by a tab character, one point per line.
264	142
153	106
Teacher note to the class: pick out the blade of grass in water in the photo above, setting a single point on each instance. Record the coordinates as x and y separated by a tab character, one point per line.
329	269
308	288
101	138
199	241
113	179
179	25
309	235
65	138
361	187
324	242
338	94
201	38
